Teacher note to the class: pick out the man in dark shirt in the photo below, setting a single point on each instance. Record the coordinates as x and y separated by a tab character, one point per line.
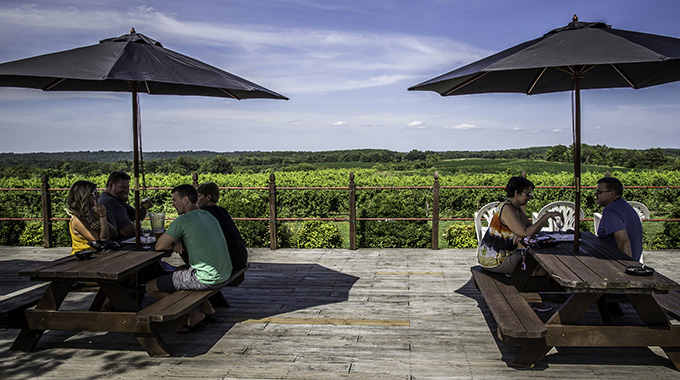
208	195
119	213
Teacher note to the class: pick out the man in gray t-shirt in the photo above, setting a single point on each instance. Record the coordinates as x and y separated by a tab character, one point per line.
119	213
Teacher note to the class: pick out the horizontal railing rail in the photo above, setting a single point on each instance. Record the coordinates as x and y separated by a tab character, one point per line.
272	189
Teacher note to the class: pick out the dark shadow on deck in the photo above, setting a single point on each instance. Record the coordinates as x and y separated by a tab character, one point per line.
571	355
269	289
9	278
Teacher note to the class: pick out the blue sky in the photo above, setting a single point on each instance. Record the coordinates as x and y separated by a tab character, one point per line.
345	65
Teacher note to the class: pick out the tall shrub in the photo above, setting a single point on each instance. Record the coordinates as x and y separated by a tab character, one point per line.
318	234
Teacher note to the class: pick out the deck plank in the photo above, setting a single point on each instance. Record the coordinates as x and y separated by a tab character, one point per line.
327	314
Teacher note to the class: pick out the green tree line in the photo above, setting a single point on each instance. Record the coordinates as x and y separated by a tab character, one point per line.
102	162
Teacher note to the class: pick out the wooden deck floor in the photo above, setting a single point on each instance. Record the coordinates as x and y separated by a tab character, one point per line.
328	314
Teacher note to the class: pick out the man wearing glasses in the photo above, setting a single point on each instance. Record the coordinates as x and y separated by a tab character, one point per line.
620	225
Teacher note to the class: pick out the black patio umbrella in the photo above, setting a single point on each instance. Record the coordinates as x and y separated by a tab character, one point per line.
129	63
581	55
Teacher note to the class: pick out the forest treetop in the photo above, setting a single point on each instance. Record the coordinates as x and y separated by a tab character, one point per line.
102	162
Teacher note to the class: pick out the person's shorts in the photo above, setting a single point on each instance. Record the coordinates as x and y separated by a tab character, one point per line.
183	279
508	265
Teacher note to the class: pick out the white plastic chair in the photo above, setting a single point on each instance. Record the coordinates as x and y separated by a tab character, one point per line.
487	211
567	209
640	208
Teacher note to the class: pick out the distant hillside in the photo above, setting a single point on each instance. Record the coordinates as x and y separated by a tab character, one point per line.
102	162
110	156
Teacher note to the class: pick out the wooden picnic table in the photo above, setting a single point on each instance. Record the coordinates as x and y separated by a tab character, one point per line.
591	276
111	271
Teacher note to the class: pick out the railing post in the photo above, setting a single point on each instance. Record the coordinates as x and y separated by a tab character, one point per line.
272	211
352	212
46	212
435	212
194	178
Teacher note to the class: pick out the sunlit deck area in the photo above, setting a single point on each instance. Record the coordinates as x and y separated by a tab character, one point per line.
328	314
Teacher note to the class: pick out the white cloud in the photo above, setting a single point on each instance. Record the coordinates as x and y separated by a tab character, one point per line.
464	127
290	60
339	123
556	130
417	124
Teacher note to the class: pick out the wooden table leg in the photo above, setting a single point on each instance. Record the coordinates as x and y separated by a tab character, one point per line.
574	308
153	344
118	296
653	315
605	315
98	301
571	311
54	296
121	300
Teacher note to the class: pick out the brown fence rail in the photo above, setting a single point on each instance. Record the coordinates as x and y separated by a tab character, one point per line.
273	219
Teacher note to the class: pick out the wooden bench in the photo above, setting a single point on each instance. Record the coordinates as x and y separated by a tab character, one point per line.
167	311
514	317
12	309
670	303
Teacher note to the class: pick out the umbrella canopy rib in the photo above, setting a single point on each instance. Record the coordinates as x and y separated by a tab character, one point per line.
624	76
467	82
536	81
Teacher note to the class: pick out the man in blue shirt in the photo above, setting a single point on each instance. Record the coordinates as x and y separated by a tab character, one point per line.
620	225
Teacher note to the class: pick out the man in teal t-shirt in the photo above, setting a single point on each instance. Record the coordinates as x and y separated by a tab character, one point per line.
208	255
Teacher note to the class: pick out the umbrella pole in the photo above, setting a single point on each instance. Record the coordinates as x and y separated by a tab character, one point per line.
577	159
135	137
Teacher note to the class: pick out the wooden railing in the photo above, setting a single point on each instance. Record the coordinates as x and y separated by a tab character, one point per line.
273	219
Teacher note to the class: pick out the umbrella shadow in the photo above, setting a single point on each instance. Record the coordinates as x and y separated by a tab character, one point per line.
642	356
11	281
507	352
269	289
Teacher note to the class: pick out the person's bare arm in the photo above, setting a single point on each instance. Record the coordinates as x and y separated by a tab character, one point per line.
104	233
523	228
127	231
84	229
165	242
623	242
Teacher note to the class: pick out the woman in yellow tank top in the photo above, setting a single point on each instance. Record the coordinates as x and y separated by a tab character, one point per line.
88	217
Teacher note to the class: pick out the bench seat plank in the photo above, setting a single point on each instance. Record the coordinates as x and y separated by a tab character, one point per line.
12	309
174	306
670	303
512	313
179	303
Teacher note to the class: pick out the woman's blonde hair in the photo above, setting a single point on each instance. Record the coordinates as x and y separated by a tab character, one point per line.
78	200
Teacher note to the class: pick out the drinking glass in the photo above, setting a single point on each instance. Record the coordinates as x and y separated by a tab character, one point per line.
146	232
